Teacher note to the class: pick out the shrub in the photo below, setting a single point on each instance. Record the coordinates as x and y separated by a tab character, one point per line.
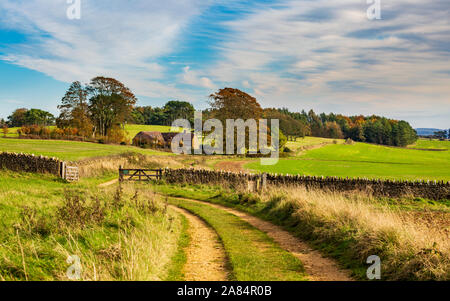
75	212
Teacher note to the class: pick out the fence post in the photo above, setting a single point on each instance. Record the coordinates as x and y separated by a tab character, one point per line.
120	174
263	181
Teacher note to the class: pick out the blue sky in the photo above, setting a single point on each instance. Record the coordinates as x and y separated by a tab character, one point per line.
320	54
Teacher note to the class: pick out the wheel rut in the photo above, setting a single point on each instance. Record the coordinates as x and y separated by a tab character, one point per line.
206	259
318	267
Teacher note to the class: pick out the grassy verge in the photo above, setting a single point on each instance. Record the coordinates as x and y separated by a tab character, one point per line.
175	269
253	255
117	234
412	240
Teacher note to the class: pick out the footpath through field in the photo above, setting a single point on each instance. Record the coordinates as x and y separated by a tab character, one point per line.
206	259
205	256
317	267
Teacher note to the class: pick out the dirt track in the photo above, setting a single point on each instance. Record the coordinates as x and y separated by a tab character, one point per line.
206	257
317	267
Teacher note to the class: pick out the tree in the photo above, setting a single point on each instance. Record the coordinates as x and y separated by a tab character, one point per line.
315	124
333	130
75	110
356	133
17	118
288	125
179	110
110	103
5	130
440	134
39	117
229	103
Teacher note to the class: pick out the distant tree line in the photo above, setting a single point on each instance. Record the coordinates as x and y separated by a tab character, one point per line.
442	135
165	115
103	107
23	116
371	129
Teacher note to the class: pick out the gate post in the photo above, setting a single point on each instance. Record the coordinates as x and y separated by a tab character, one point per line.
263	181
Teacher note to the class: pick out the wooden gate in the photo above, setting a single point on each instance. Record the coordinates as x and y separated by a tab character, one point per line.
69	173
139	174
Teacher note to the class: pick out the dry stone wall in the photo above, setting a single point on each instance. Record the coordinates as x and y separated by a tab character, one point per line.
30	163
436	190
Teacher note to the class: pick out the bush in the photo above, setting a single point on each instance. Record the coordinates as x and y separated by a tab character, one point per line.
349	141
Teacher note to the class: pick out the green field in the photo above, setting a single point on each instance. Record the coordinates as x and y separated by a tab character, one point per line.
309	142
366	160
69	150
431	144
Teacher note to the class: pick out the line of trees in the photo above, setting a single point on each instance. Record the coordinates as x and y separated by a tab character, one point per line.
442	134
170	112
23	116
103	107
371	129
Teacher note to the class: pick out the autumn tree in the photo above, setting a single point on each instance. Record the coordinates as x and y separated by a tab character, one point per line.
5	130
110	103
229	103
17	118
290	127
75	110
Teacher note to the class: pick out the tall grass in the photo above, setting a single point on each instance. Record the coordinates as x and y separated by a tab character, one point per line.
119	234
355	226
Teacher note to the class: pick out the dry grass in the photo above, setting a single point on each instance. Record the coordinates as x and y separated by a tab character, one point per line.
99	166
408	247
118	234
95	167
146	239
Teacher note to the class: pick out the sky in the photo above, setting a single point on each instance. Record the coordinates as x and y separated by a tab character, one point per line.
325	55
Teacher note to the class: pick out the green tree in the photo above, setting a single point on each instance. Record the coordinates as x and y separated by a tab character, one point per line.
75	110
110	103
39	117
179	110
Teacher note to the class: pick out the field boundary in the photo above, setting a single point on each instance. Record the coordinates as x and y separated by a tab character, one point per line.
435	190
38	164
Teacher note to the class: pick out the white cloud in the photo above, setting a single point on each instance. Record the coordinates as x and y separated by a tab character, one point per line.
192	78
329	56
114	38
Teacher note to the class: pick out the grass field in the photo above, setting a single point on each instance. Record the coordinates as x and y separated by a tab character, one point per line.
366	160
122	237
70	150
309	142
431	144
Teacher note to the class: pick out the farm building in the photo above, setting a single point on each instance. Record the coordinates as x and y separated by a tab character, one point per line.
153	139
158	139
